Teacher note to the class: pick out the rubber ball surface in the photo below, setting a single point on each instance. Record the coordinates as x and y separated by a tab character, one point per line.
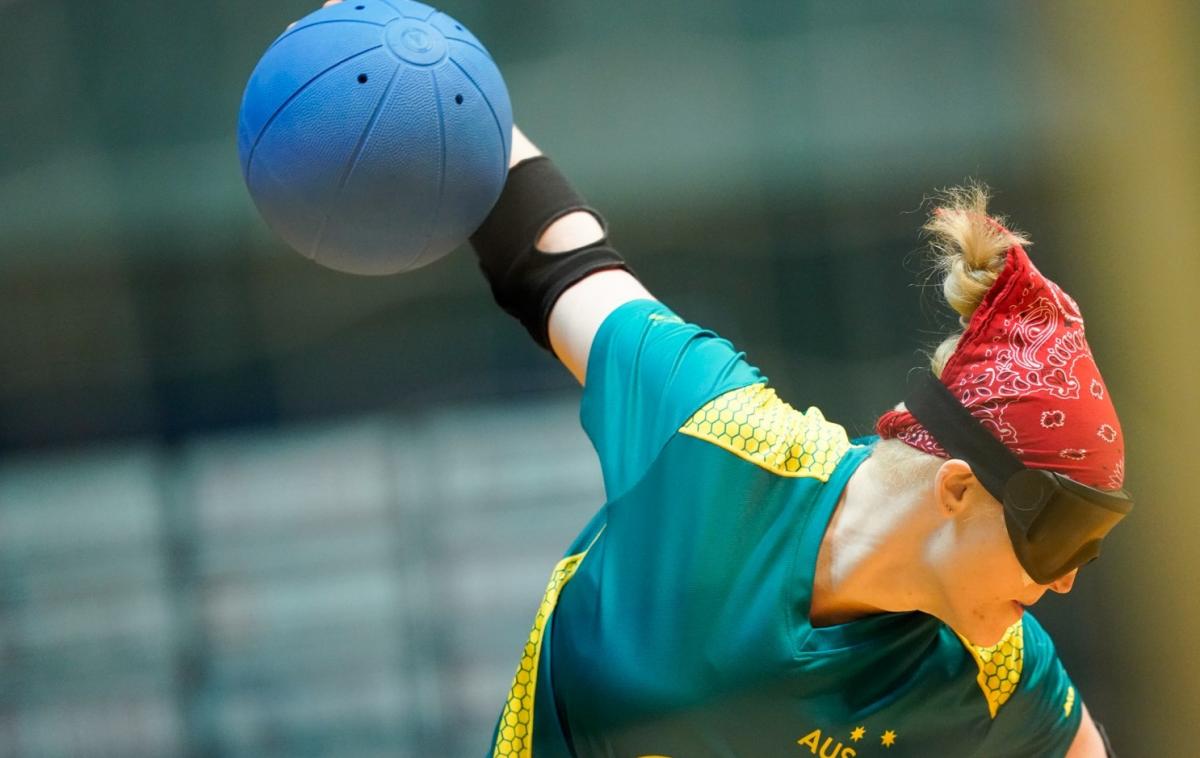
374	136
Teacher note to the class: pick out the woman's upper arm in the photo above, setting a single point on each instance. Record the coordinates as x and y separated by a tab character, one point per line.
582	308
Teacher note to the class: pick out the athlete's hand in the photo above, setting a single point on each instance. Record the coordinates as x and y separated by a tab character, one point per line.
325	4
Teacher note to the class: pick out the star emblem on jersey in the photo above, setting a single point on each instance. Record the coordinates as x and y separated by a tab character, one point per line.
857	733
888	739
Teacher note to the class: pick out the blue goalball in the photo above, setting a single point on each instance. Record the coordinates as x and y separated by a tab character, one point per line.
375	135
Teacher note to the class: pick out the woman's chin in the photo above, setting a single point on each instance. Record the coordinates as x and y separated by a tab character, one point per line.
989	631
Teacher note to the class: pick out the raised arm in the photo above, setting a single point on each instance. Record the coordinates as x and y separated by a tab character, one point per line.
564	308
598	284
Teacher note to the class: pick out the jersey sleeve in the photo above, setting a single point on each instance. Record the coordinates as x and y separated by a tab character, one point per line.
1045	711
648	371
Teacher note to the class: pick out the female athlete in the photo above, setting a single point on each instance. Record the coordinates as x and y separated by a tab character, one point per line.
759	584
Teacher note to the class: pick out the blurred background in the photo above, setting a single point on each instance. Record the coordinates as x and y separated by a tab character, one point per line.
252	507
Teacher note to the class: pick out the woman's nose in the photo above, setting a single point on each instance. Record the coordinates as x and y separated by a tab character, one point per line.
1064	583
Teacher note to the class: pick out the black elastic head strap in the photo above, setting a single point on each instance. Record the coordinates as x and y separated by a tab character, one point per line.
1056	523
960	434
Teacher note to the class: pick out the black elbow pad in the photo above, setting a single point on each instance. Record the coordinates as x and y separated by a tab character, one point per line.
526	282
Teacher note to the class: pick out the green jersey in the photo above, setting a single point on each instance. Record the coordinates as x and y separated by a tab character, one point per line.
677	625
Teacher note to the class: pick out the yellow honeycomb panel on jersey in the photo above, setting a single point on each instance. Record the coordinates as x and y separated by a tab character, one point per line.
754	424
514	738
999	666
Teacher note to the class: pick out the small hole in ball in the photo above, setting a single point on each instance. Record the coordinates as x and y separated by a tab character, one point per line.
456	26
362	78
458	99
359	7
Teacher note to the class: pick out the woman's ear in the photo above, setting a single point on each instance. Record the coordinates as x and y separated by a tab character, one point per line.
951	487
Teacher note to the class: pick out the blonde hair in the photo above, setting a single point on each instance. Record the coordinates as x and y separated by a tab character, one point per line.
969	249
903	468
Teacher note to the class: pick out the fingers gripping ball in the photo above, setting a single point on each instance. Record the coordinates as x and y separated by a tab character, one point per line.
374	135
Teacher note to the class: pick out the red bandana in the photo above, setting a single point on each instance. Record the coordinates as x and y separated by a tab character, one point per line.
1025	371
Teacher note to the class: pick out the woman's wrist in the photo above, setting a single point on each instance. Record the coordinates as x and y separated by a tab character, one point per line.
522	148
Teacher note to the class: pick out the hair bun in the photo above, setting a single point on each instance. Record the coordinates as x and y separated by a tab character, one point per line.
969	248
